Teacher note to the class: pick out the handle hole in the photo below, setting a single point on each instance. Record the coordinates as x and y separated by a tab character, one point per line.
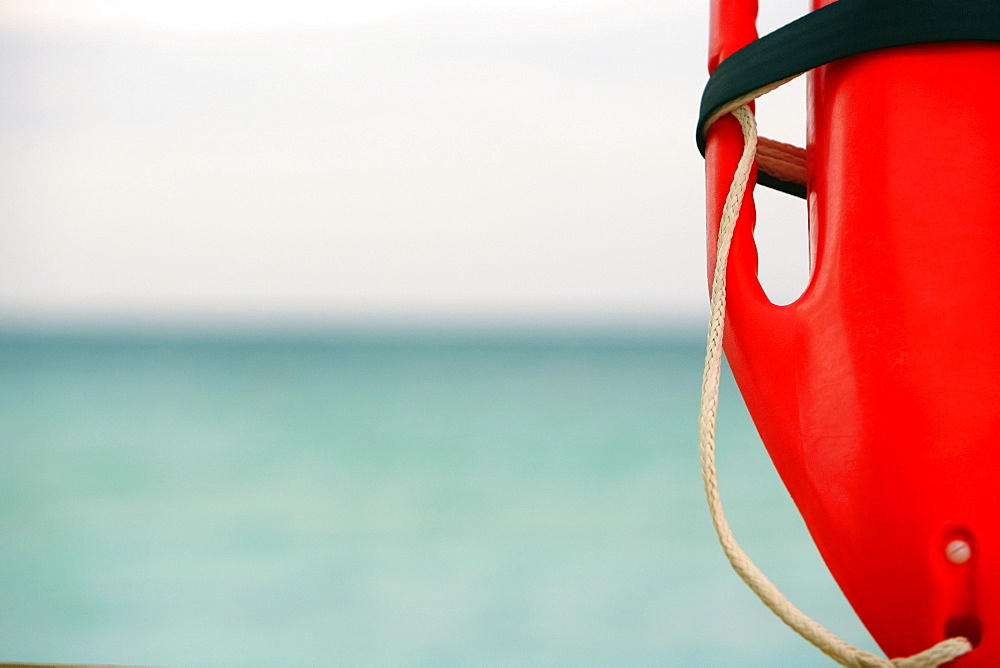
782	233
782	239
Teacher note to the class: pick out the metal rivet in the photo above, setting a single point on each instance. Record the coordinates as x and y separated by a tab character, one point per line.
958	551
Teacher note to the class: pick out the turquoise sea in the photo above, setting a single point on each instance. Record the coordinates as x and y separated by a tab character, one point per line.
384	498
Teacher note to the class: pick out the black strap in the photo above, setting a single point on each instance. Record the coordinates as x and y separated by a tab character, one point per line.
839	30
774	183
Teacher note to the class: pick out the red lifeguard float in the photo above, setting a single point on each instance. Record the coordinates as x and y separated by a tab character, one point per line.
877	392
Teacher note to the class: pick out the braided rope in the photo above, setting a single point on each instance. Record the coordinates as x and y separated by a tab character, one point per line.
837	649
782	161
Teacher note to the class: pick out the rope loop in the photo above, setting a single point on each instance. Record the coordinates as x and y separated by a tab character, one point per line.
840	651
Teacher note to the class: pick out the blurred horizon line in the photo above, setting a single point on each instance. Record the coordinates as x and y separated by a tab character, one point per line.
431	327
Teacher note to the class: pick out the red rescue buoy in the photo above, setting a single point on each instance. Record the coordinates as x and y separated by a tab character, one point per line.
876	392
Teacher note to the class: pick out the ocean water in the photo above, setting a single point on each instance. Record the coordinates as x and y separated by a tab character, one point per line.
384	499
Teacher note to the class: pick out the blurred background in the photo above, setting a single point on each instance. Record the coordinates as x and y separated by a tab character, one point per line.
370	334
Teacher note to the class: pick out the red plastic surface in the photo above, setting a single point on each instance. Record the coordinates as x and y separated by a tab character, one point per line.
876	393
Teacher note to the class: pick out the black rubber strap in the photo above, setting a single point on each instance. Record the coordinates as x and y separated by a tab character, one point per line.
839	30
773	182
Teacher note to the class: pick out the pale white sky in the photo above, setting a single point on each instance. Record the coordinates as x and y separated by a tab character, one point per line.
204	160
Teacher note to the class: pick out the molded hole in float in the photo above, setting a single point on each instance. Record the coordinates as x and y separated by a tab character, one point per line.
782	231
967	626
782	239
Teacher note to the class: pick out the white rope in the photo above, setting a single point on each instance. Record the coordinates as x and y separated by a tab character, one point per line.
840	651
